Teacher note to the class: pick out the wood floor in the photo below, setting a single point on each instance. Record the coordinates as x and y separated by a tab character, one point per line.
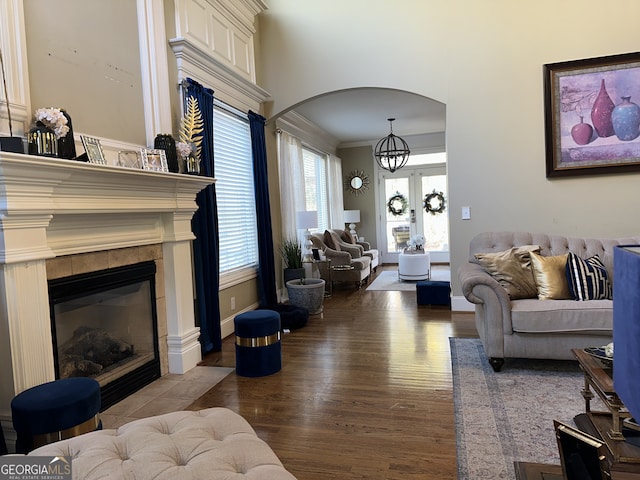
364	392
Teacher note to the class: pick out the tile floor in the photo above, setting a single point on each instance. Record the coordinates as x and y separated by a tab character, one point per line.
169	393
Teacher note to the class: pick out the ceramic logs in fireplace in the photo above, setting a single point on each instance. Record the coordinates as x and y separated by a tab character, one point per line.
104	326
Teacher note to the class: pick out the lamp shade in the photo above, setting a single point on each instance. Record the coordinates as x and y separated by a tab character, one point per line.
305	220
352	216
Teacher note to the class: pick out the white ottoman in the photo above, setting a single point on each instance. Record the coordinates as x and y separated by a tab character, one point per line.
414	266
210	444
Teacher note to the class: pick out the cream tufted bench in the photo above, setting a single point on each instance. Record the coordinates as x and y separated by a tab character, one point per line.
215	443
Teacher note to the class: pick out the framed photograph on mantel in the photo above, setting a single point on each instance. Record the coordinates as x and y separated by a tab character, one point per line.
154	160
93	149
592	115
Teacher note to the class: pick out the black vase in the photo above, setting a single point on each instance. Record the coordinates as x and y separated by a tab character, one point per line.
66	144
168	144
42	141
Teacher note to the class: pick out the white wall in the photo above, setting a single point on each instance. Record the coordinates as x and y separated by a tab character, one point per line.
484	61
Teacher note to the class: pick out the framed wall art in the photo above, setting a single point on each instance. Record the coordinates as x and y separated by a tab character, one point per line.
154	160
93	149
592	115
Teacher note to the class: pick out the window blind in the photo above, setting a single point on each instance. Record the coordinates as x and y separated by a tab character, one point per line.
315	186
233	170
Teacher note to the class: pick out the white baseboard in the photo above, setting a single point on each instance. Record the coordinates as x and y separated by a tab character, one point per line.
226	325
461	304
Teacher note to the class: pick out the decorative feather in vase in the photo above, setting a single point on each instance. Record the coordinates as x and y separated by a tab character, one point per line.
192	125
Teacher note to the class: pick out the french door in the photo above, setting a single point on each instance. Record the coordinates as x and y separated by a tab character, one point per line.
402	213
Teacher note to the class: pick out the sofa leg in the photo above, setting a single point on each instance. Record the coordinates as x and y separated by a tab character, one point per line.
496	363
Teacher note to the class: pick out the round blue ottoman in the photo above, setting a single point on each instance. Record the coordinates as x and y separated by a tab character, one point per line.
258	347
55	411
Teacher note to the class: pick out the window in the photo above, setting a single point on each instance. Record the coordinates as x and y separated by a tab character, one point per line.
235	192
315	186
427	158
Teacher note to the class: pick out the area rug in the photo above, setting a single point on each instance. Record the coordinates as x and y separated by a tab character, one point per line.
388	280
508	416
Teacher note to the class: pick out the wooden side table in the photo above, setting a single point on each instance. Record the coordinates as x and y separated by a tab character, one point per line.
597	377
624	458
324	269
537	471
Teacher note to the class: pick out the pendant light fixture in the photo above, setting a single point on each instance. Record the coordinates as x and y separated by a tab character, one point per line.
391	152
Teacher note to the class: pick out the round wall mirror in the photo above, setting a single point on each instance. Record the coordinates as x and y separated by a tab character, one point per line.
357	182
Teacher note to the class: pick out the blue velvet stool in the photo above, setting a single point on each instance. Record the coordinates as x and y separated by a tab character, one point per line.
258	347
431	292
55	411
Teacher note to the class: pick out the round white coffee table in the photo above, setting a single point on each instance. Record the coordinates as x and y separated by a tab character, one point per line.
414	266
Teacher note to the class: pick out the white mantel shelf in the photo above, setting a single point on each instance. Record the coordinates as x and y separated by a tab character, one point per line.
51	207
55	193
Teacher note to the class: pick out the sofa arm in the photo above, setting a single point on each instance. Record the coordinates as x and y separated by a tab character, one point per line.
365	245
356	251
493	313
337	257
471	275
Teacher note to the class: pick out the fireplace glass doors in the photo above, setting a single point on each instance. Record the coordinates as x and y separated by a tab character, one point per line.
104	326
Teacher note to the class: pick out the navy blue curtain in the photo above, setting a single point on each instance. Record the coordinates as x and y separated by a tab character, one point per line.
266	269
205	228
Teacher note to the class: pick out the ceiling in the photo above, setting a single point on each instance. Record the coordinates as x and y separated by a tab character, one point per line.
359	116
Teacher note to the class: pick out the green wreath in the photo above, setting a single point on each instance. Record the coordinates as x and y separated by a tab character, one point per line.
397	204
434	203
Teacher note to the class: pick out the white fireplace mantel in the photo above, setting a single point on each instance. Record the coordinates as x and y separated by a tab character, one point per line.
53	207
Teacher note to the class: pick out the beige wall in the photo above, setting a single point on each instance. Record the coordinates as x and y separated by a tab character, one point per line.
84	57
359	158
484	61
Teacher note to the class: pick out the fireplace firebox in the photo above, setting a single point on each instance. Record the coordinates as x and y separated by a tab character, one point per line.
104	326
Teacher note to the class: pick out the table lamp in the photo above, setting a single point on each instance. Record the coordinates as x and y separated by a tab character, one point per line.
352	217
304	221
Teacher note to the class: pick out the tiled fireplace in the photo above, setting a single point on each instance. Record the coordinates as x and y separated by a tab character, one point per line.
61	218
105	320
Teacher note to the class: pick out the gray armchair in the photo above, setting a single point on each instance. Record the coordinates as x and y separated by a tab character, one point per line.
343	254
372	253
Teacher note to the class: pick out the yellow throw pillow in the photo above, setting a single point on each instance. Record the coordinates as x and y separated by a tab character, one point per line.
551	277
512	269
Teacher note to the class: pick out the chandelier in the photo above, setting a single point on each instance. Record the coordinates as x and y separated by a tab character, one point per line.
391	152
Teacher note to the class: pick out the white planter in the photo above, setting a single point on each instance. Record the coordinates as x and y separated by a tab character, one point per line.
309	294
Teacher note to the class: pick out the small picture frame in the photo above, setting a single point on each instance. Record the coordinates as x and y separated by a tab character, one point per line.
316	253
154	160
129	159
93	149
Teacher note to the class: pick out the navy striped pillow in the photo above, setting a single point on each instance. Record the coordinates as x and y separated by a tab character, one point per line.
587	279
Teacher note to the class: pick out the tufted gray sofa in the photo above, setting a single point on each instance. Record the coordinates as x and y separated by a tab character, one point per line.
211	444
532	328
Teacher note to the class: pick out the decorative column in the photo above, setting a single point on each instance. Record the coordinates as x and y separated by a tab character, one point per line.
182	334
14	52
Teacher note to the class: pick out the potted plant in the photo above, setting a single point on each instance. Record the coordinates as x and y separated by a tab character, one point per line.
291	252
307	293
